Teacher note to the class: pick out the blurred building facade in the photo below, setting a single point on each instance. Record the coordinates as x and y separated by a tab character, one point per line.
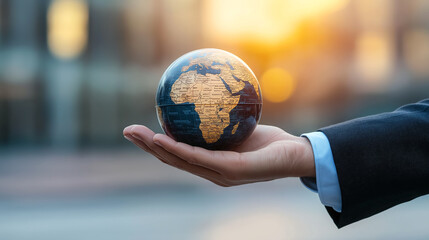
74	73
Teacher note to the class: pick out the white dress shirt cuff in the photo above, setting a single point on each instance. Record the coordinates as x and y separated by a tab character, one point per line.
326	181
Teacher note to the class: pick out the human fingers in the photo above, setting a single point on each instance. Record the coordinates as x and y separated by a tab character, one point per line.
228	163
128	135
142	136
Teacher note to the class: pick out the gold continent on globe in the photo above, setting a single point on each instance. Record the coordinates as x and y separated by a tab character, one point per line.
209	98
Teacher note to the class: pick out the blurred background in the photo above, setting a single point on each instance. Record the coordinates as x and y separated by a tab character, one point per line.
74	73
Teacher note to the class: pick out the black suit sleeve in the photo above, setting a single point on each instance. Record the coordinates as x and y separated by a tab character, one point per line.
381	161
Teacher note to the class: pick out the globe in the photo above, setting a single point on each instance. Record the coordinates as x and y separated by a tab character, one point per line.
209	98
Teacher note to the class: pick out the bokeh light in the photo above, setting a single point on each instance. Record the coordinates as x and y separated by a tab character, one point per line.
67	28
416	51
277	85
374	60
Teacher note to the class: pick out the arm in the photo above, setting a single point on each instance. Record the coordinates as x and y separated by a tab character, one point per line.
269	153
381	161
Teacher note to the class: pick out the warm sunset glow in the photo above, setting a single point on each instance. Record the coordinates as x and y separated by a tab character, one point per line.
268	22
67	28
277	85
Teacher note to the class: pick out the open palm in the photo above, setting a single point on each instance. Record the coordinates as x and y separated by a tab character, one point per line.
269	153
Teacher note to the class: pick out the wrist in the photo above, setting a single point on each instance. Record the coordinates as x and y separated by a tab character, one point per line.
306	158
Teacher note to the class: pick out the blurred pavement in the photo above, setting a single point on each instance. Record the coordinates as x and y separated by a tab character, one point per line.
128	194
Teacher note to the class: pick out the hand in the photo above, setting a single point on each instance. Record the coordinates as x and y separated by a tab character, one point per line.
269	153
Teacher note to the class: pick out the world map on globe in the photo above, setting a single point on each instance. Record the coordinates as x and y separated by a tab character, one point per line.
209	98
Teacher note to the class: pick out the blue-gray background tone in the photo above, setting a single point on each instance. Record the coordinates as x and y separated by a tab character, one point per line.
74	73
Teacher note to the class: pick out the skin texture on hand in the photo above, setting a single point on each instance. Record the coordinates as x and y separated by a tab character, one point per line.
269	153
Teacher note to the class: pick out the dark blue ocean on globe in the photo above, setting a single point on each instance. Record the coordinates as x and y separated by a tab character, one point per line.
209	98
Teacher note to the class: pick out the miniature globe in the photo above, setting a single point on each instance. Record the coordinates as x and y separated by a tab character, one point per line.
209	98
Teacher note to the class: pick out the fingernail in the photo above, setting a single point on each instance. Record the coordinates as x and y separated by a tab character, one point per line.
129	127
128	138
158	143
